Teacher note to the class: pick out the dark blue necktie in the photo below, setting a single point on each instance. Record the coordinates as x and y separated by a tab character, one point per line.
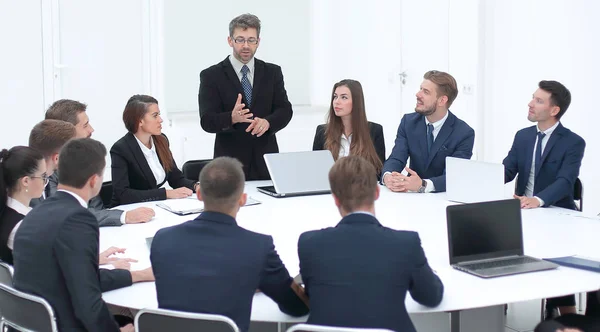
246	85
429	137
538	150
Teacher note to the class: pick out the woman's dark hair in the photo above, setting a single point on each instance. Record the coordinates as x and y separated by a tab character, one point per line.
135	110
16	163
361	143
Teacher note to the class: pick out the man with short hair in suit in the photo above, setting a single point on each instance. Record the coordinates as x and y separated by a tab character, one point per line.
212	265
243	100
428	136
57	258
357	274
547	158
75	113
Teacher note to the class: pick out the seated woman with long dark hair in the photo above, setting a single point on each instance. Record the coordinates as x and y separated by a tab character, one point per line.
22	178
142	161
347	131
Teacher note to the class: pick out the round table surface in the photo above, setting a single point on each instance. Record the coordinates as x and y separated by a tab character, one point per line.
547	232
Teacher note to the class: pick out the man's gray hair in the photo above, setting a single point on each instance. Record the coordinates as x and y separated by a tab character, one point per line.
222	183
244	22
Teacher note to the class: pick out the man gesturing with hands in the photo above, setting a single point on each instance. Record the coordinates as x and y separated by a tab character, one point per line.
243	101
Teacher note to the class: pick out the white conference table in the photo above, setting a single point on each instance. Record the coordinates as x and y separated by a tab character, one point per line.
474	304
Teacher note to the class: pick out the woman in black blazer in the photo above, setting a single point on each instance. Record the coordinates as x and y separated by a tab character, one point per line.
142	161
347	131
22	177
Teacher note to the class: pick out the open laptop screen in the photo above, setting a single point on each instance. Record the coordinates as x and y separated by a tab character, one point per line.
484	230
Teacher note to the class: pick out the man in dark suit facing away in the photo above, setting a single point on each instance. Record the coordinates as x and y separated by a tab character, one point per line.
212	265
243	101
56	247
547	158
428	136
357	274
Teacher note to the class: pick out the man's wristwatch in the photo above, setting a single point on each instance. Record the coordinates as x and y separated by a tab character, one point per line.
423	186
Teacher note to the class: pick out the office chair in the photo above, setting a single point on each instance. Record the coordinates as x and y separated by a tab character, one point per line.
25	312
321	328
155	320
191	168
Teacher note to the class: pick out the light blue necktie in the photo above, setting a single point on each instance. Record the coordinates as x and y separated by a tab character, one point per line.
246	85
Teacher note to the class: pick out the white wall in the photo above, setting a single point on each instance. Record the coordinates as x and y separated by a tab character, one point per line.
529	41
21	81
196	38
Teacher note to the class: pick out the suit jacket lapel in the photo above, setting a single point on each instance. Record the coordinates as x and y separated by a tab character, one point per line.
233	77
139	157
259	72
556	135
442	136
421	133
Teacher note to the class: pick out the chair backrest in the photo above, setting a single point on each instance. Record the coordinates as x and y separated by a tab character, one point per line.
321	328
155	320
26	312
578	193
191	168
106	194
6	274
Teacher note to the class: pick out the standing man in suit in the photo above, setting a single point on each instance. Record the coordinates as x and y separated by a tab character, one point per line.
74	112
57	258
224	263
428	136
243	100
357	274
547	158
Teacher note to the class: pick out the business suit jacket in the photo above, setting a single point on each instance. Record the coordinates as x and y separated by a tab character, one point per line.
8	220
132	177
211	265
357	274
219	88
57	258
455	139
375	131
104	216
555	177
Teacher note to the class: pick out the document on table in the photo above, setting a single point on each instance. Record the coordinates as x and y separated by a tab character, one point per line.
188	205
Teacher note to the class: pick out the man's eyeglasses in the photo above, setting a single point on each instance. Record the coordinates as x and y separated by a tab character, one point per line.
241	40
44	178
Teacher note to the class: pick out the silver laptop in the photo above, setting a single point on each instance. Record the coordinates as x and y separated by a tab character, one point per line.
486	239
470	181
298	173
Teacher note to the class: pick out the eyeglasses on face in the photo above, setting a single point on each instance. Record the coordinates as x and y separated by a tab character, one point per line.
44	178
242	40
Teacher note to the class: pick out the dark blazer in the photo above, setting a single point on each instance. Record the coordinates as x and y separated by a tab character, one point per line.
8	220
455	139
132	178
375	131
57	258
104	216
357	274
217	266
219	88
555	177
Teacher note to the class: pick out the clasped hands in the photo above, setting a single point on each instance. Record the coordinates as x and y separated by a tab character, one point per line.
239	114
399	182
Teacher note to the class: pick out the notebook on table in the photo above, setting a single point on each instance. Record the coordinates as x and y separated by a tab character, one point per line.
186	206
486	239
577	262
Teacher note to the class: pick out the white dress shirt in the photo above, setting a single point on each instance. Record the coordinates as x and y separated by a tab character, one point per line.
345	146
20	208
153	161
77	197
531	180
237	67
361	212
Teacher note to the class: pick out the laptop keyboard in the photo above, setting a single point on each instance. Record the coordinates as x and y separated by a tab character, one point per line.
500	263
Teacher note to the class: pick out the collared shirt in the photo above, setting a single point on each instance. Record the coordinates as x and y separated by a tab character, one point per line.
20	208
237	67
153	161
531	180
345	146
361	212
79	199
